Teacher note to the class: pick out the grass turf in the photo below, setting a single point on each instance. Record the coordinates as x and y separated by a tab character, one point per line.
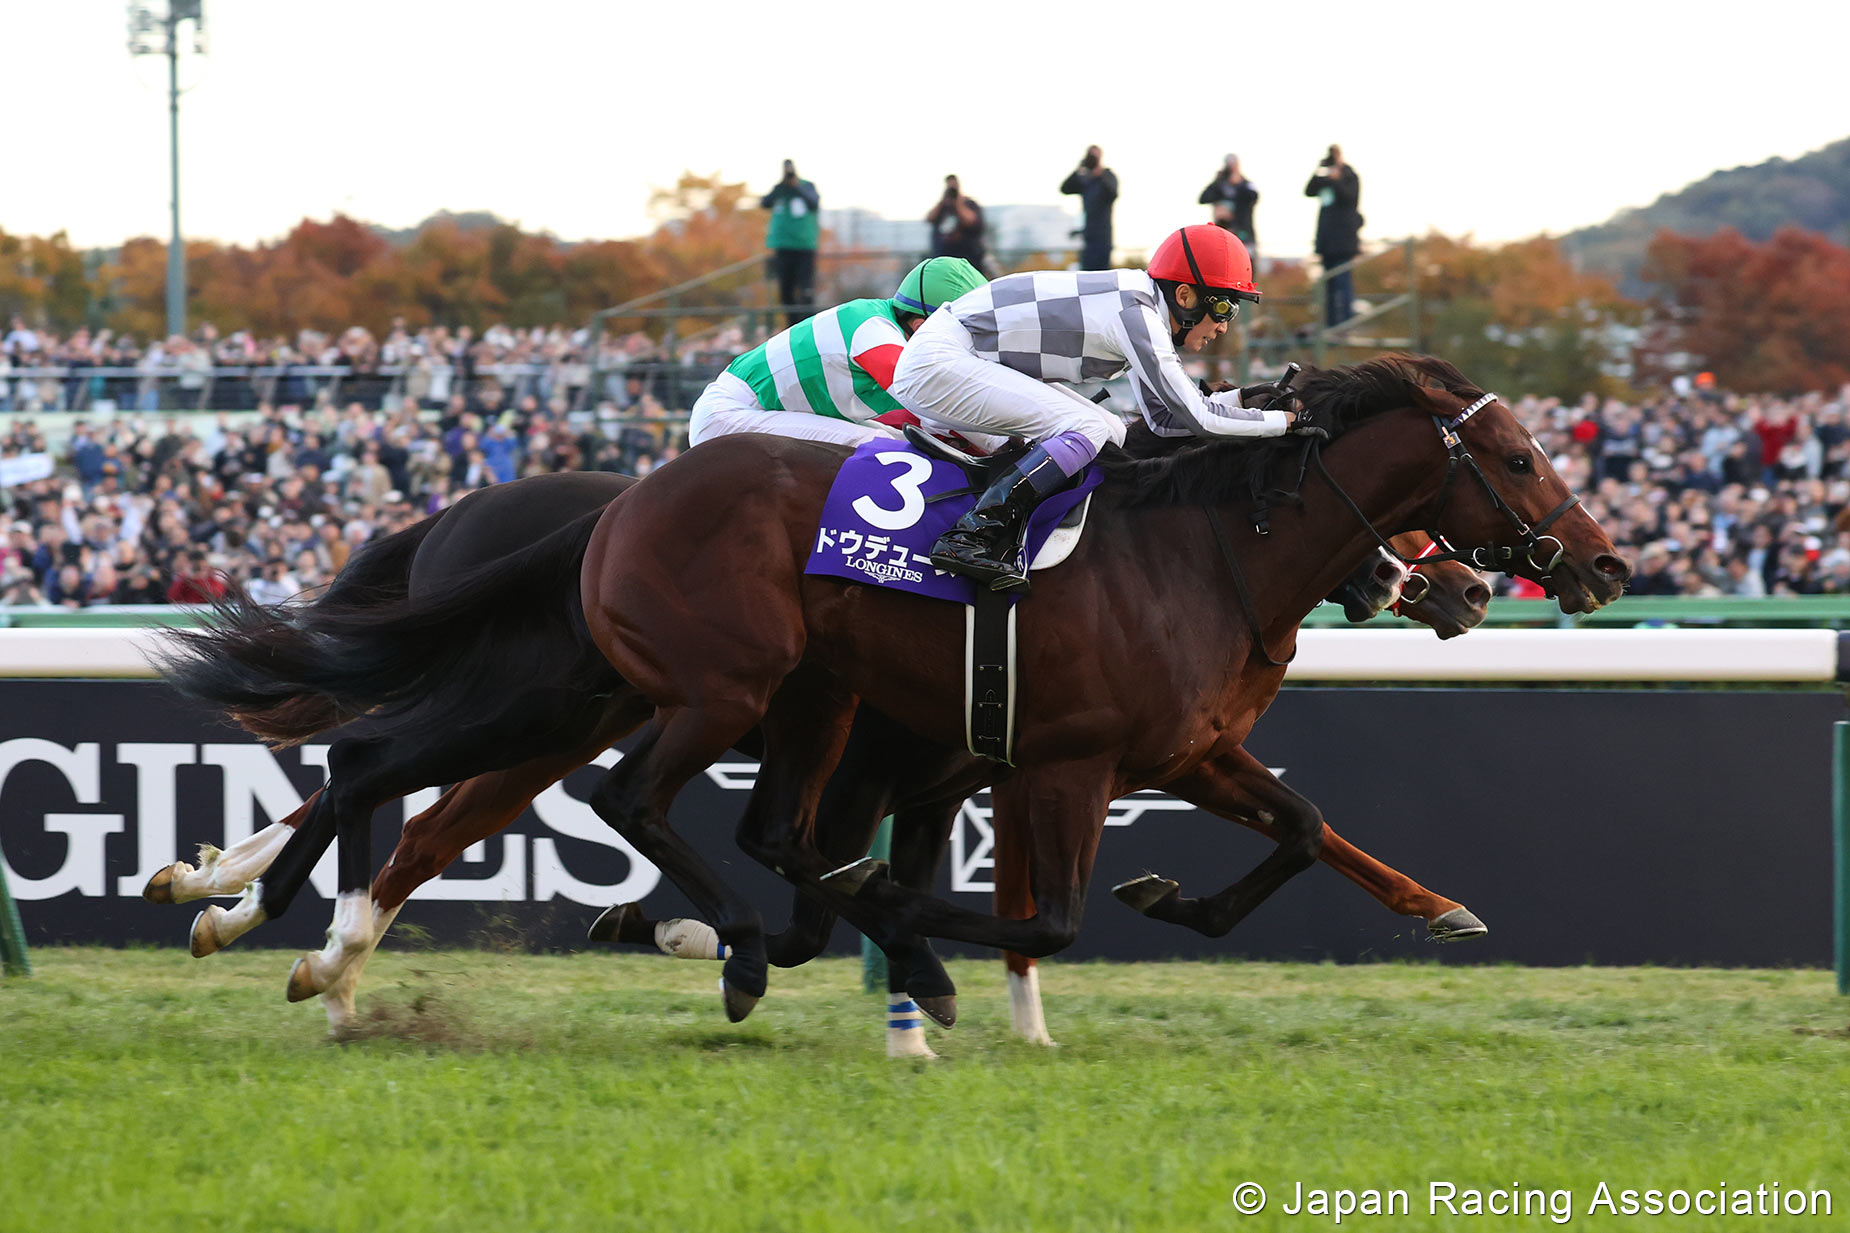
144	1089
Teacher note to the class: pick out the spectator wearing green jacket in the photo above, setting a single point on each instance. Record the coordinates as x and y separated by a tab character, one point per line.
794	205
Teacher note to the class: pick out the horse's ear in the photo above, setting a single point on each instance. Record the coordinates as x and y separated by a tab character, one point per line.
1426	398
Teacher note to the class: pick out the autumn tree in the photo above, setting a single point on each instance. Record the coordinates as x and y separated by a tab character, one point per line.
45	280
1514	316
1772	316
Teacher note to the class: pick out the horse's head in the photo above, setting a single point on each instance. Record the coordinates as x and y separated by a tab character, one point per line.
1503	501
1373	588
1447	596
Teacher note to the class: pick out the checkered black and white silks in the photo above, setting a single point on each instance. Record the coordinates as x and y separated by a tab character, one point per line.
1084	328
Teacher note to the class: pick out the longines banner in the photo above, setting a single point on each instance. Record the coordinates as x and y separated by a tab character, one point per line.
1674	827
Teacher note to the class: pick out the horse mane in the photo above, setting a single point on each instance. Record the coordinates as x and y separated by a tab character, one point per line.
1149	470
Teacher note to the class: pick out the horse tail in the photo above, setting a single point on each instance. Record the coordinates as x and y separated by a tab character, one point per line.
365	647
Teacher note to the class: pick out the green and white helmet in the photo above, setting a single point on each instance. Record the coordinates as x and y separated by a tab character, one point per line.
934	282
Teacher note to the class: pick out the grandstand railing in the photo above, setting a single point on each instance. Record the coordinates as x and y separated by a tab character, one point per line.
86	389
1773	612
734	295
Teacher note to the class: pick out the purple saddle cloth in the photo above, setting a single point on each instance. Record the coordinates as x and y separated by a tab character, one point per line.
888	506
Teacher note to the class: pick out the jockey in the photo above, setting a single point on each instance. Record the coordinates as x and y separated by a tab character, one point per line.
826	378
1017	357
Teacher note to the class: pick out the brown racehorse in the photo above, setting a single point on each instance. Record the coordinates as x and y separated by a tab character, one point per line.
1452	600
509	518
383	663
1145	660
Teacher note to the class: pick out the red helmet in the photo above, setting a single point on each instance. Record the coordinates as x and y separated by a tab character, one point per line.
1206	256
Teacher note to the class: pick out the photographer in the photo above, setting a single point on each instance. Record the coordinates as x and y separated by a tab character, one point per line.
1339	230
1096	186
792	236
1233	197
956	225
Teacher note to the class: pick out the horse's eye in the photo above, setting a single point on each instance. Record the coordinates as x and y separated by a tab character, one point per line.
1518	464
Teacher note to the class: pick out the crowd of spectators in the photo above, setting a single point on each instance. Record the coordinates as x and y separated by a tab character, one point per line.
1710	493
149	510
43	371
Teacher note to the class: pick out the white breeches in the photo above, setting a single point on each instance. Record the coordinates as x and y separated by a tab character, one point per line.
941	377
728	406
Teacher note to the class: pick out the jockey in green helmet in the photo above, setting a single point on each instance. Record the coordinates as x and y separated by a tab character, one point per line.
826	378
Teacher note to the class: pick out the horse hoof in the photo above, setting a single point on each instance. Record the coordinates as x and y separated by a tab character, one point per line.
941	1011
1145	892
1455	926
160	887
302	981
909	1044
849	879
205	939
608	927
738	1004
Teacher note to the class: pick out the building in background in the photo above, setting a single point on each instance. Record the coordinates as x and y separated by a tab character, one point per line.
1011	229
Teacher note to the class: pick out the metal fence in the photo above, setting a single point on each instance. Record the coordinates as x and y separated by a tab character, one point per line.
237	387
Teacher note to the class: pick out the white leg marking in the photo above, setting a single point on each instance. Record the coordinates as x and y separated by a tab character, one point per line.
688	939
215	928
338	999
349	937
905	1028
231	871
1025	1007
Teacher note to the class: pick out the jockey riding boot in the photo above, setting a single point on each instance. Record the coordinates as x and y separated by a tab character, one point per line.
987	543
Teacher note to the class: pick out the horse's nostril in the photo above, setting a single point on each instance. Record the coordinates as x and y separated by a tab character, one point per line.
1477	595
1614	567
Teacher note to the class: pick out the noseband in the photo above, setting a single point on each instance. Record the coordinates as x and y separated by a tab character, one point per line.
1490	556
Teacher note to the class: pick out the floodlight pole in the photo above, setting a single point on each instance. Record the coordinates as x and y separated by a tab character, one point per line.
176	251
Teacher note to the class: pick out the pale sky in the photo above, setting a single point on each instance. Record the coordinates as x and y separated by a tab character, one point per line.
1501	119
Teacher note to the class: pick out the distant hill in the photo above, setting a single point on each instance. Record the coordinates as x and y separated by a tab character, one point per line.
466	220
1812	192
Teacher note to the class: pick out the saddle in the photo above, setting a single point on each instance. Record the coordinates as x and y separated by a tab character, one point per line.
982	470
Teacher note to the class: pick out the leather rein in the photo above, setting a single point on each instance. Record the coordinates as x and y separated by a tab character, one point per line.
1496	557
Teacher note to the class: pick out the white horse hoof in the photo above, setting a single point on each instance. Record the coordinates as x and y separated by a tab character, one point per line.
302	984
160	887
908	1044
205	939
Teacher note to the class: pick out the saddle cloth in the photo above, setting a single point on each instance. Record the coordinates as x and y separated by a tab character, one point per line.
889	504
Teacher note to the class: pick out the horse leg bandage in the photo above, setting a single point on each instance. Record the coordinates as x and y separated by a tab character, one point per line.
905	1028
689	939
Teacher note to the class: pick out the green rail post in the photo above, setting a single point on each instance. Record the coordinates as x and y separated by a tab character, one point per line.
1840	819
873	959
13	960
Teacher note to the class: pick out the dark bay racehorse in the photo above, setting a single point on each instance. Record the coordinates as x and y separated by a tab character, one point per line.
1144	659
507	519
1451	601
1147	591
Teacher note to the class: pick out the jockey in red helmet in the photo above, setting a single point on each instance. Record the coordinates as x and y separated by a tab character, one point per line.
1024	354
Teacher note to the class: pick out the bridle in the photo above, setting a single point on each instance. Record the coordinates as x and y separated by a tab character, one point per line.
1492	557
1489	557
1414	575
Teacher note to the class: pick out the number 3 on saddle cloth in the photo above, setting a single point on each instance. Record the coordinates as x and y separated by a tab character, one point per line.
887	507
